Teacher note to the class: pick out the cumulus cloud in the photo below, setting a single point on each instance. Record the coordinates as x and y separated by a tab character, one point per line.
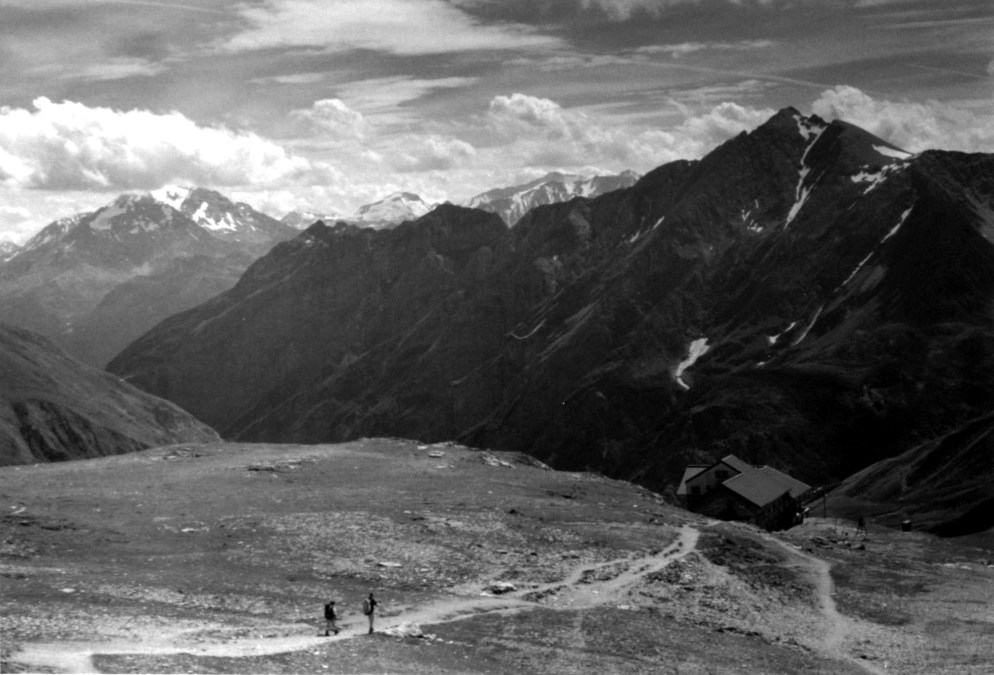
64	146
332	117
541	133
912	126
394	26
432	153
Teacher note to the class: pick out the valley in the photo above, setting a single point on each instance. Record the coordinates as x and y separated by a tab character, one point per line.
218	558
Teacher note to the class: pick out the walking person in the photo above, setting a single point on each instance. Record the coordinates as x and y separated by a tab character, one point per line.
369	609
330	618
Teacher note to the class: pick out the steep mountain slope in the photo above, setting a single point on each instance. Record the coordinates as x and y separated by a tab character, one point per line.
58	279
943	485
53	408
313	303
806	296
512	203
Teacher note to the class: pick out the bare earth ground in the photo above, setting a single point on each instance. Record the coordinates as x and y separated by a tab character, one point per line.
218	559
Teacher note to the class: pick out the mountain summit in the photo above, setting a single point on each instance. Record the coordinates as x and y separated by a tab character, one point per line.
66	281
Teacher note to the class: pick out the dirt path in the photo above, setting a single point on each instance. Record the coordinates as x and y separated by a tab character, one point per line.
584	586
837	626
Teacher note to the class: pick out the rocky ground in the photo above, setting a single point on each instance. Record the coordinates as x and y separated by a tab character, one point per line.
218	558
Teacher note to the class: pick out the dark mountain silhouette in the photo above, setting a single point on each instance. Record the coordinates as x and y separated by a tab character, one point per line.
53	408
943	485
806	296
62	282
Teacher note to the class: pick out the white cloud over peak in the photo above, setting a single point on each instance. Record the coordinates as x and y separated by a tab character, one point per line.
911	126
66	146
393	26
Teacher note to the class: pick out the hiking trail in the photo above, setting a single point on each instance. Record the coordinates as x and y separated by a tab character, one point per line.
584	586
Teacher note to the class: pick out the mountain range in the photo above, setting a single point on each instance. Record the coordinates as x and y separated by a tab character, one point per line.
95	281
512	203
807	296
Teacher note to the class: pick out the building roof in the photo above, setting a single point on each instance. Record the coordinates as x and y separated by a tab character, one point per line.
688	473
761	486
737	464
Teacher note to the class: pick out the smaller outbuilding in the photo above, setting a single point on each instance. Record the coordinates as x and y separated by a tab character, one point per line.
732	489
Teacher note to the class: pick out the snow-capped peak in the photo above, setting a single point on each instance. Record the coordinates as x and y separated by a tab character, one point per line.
511	203
171	195
392	210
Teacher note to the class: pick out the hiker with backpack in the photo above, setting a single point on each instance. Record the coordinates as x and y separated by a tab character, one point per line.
330	618
369	608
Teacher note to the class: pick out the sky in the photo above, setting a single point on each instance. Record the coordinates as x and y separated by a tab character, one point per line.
325	105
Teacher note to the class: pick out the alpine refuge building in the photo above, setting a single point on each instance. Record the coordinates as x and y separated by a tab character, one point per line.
732	489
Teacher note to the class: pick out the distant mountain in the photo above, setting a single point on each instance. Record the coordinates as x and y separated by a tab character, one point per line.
380	215
301	220
806	296
53	408
8	250
390	211
512	203
63	273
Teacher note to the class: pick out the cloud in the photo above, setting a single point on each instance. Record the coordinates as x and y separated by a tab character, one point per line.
684	48
332	117
386	94
432	153
393	26
623	10
912	126
538	132
60	146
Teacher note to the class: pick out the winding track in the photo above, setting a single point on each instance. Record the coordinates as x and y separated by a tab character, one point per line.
581	588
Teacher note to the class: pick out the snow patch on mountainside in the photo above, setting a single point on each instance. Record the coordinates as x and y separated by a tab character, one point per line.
807	328
696	350
862	263
392	210
171	195
876	178
811	132
893	231
106	215
225	222
892	152
773	339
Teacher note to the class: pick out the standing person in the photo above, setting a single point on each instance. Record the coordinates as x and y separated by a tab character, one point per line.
330	618
369	608
861	525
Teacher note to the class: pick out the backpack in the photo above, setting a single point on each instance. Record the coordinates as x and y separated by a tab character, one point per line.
367	608
329	611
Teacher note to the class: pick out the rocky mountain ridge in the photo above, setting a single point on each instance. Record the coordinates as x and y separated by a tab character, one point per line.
806	296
